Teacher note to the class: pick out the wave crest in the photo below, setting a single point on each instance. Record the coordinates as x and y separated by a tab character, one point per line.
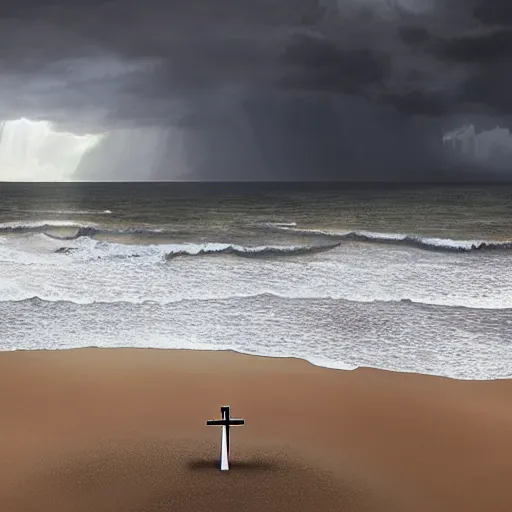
70	230
250	252
429	243
41	225
433	244
67	212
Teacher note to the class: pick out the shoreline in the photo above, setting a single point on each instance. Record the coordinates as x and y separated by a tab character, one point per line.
124	429
342	367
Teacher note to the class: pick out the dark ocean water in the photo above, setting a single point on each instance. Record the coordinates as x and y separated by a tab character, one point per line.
462	212
405	278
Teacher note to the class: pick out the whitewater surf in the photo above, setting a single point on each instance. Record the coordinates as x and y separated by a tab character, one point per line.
418	282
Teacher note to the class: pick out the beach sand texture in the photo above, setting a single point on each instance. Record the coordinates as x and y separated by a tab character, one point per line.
111	430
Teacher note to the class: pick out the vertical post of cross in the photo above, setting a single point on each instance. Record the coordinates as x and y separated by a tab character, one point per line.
224	445
226	422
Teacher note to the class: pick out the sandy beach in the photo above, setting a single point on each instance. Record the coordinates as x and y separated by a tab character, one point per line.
109	430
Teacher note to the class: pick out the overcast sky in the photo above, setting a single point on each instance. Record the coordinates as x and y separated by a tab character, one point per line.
263	89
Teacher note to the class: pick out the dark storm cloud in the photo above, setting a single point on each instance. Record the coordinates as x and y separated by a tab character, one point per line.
412	67
494	12
489	88
311	63
482	47
487	57
369	48
420	103
414	35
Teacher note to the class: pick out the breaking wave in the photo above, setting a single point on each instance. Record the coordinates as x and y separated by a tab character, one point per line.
72	230
402	303
40	226
250	252
93	249
419	344
69	212
433	244
428	243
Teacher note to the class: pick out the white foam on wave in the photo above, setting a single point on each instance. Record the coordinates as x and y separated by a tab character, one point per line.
68	212
427	241
90	249
291	227
86	248
377	236
28	225
414	342
284	224
21	294
101	271
39	251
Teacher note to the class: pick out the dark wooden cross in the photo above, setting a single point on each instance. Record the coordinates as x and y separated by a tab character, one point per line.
226	422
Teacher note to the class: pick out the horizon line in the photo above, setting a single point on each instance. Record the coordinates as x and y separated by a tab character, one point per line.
284	182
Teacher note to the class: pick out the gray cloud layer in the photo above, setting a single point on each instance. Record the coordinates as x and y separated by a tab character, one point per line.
354	89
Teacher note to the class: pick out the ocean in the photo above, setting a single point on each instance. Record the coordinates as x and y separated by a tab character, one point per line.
414	279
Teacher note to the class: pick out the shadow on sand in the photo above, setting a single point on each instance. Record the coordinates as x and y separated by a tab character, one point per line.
247	465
